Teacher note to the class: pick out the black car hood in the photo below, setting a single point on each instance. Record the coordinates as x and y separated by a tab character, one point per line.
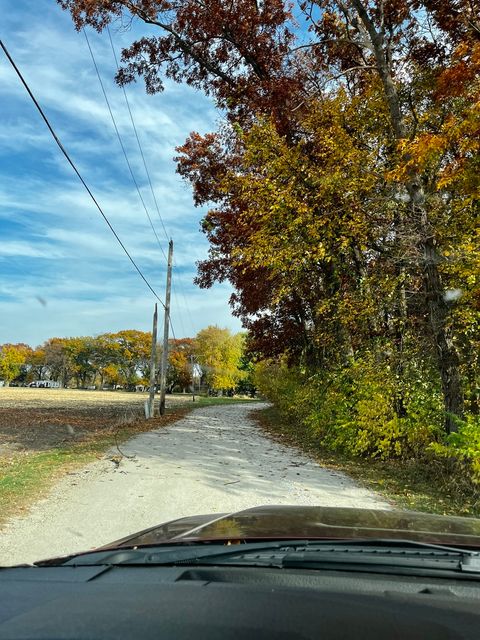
293	522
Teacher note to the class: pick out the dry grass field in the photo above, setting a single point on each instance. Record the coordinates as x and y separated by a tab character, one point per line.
38	419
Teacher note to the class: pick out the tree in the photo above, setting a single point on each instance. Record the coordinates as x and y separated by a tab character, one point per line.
105	358
219	354
415	62
36	360
234	51
79	352
180	355
359	48
111	374
133	355
57	360
12	358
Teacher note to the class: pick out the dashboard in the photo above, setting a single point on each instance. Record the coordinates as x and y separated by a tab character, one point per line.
92	602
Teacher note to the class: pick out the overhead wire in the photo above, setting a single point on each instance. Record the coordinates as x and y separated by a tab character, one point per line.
126	156
74	167
121	142
92	55
171	326
189	314
178	306
138	139
127	102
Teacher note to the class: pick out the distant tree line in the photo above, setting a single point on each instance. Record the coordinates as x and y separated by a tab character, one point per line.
214	357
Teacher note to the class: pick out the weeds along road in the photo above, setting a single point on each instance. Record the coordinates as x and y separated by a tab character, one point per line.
216	459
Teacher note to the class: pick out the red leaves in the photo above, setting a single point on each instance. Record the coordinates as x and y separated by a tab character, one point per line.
406	68
202	162
231	50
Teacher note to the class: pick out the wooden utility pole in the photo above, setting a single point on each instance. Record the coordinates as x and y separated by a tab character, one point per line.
163	375
150	412
193	377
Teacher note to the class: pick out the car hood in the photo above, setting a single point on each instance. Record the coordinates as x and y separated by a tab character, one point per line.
294	522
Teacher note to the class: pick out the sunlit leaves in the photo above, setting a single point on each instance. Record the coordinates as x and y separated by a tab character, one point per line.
219	354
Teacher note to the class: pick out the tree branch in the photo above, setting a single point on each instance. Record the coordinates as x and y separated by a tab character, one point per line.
185	46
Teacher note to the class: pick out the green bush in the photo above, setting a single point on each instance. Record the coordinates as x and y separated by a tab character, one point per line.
352	409
463	446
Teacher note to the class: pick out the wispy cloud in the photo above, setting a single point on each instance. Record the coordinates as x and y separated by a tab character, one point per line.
54	244
28	250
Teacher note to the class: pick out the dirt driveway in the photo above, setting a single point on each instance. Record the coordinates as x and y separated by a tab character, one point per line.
216	459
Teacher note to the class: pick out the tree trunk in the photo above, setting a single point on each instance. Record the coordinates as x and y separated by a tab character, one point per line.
447	358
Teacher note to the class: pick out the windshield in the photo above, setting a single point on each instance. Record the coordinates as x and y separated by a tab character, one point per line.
240	268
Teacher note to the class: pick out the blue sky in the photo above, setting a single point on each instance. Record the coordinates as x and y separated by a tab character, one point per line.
61	271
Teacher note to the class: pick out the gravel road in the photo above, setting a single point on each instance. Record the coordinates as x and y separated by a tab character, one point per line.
216	459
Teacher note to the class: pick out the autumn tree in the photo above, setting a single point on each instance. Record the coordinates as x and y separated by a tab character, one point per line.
105	358
12	358
78	352
36	360
117	358
219	354
359	48
180	354
411	66
57	360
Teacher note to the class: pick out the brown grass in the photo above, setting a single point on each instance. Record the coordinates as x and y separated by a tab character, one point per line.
38	419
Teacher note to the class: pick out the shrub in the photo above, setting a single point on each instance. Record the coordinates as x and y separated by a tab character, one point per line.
463	446
352	409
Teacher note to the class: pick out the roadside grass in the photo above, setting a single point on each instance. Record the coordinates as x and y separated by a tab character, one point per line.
407	484
27	476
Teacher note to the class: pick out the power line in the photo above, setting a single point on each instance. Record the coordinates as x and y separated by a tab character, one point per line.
151	187
187	307
126	155
171	327
71	163
175	297
138	139
121	142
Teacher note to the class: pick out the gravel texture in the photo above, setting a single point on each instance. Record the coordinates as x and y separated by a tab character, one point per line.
215	460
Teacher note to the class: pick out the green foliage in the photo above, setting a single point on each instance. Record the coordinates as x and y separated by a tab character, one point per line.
463	446
352	409
219	353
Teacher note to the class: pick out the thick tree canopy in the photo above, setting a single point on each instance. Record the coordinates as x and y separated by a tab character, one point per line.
344	183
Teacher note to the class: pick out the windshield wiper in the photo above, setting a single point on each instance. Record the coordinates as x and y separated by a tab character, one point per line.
383	560
360	555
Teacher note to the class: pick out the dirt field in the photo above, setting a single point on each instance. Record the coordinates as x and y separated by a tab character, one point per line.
39	419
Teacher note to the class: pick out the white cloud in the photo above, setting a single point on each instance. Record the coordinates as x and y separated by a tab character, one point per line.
28	250
55	244
32	322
